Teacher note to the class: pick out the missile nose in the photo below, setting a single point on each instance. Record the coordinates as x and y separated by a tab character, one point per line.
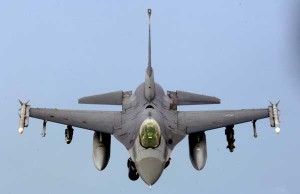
277	130
21	130
150	169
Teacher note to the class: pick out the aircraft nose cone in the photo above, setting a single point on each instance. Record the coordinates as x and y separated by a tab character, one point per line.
150	170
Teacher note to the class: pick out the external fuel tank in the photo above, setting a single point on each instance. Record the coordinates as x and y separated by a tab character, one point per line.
101	150
197	148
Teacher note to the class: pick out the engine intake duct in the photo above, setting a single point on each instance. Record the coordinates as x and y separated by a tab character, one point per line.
132	172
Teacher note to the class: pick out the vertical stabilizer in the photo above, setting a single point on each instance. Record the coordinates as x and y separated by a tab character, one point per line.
149	41
149	78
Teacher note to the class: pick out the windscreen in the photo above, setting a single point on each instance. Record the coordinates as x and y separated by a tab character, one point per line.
150	134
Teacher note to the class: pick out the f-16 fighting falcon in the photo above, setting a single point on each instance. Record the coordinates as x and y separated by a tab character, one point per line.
149	124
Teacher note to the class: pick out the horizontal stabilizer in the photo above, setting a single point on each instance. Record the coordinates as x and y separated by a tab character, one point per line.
112	98
187	98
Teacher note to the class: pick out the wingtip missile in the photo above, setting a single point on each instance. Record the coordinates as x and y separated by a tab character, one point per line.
24	116
274	117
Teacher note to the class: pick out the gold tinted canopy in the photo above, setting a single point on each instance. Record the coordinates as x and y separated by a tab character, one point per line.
150	134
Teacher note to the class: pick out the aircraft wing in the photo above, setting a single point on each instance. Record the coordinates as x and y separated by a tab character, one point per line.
196	121
101	121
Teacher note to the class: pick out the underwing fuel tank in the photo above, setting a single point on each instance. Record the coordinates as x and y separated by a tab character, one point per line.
101	150
197	148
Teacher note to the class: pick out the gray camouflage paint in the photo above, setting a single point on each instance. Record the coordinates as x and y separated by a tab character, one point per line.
125	124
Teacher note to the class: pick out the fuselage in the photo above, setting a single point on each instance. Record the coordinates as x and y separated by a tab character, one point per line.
137	110
149	128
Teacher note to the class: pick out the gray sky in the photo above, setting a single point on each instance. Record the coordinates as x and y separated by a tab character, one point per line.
244	52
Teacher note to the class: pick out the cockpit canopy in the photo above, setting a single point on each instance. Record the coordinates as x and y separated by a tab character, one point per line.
150	134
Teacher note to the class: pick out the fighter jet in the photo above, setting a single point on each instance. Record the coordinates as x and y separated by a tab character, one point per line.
149	124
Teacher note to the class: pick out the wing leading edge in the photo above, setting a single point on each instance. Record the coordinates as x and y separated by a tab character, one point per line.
196	121
101	121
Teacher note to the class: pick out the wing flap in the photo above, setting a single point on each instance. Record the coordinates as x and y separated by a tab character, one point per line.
102	121
195	121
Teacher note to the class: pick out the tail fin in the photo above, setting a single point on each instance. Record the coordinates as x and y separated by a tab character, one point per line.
149	78
149	43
